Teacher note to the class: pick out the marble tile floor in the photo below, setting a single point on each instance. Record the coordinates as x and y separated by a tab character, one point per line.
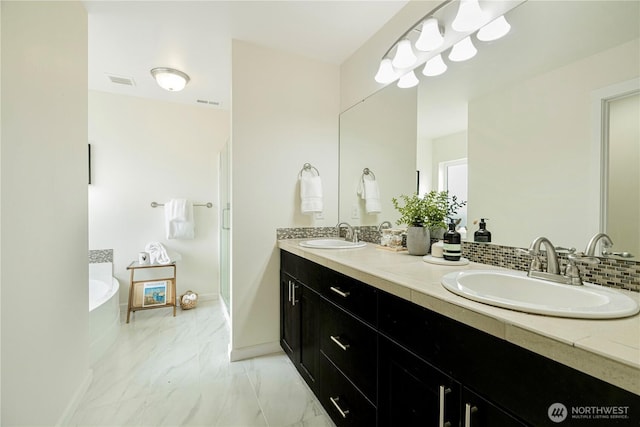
165	371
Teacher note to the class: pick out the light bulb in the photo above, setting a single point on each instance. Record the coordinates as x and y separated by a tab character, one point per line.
430	37
434	67
405	57
494	30
386	73
408	80
469	17
463	50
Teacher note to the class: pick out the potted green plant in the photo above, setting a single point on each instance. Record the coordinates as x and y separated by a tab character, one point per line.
423	215
413	213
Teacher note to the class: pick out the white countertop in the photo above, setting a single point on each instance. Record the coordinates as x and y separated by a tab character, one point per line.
605	349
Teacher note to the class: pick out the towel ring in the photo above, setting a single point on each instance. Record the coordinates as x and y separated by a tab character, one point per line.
307	167
367	171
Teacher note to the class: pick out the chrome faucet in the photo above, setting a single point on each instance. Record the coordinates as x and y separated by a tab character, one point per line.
553	267
384	224
591	246
352	235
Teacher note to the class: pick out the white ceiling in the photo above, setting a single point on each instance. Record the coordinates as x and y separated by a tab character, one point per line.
129	38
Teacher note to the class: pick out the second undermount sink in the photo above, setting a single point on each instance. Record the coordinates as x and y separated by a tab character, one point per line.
331	244
517	291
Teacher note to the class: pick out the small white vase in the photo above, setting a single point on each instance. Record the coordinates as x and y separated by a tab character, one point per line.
418	240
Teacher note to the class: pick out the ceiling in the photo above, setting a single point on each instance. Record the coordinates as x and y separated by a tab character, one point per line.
129	38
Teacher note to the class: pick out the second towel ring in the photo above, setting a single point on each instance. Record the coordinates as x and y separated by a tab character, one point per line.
367	171
307	167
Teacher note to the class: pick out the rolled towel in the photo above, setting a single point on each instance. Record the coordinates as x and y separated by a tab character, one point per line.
311	194
178	215
370	192
157	253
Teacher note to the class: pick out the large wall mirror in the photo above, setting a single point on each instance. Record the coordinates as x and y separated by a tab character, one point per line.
523	120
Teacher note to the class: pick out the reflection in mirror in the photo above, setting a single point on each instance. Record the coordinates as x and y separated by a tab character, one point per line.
523	109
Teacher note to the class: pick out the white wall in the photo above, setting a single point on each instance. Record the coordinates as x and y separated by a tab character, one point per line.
144	151
509	152
45	360
284	114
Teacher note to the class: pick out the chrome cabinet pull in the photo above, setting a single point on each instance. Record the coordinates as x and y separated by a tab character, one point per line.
468	410
289	290
336	339
293	294
339	292
442	393
343	412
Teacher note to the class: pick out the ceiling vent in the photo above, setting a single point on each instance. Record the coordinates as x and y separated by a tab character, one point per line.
204	101
121	80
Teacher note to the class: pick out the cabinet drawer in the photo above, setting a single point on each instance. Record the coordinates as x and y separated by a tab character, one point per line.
344	403
352	346
352	295
304	271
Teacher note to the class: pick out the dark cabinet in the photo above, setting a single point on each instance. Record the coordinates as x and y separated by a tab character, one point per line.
414	393
374	359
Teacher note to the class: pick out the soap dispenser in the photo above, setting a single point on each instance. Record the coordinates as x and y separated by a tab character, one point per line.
482	234
452	243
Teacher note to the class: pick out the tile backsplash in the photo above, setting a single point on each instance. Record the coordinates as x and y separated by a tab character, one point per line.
100	255
616	273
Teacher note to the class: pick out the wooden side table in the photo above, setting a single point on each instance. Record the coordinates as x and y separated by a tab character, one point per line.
151	293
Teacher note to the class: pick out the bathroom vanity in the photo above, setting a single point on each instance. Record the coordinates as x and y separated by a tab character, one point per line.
381	342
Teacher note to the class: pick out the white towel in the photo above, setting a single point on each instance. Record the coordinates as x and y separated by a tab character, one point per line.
311	194
157	253
178	216
370	193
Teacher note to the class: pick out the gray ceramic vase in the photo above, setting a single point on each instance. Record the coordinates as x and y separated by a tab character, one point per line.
418	240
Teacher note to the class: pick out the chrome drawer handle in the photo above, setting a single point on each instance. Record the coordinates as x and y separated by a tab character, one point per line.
339	292
442	393
468	410
343	412
336	340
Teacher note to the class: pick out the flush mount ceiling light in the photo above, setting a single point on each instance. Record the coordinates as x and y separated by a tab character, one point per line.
469	16
494	30
170	79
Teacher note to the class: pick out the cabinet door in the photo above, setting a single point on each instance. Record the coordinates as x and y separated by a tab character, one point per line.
309	303
478	412
289	318
414	393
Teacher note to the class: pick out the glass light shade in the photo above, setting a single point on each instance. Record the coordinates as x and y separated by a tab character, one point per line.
434	67
494	30
408	80
430	36
386	73
469	16
405	57
170	79
463	50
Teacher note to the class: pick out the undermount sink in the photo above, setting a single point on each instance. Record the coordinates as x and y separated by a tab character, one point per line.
331	244
517	291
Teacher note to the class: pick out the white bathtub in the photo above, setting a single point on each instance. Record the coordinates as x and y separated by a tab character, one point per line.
104	309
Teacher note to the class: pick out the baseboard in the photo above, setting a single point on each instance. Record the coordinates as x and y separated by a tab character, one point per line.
65	419
254	351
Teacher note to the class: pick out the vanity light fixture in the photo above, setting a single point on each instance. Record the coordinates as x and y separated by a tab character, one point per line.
431	36
386	73
170	79
408	80
469	16
405	57
463	50
494	30
434	67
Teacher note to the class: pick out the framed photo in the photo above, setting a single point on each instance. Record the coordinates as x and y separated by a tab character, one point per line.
154	293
